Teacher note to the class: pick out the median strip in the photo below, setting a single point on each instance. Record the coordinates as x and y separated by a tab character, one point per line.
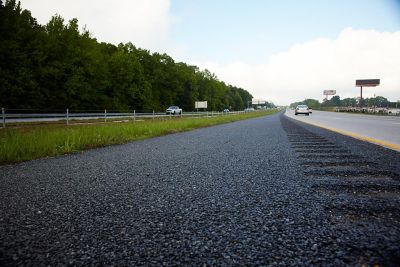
22	144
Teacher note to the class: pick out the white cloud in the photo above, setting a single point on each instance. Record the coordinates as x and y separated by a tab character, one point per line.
305	70
144	23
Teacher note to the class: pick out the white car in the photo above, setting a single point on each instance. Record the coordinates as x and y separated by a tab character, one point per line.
174	110
302	109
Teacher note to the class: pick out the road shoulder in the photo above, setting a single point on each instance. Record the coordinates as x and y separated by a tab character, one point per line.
389	145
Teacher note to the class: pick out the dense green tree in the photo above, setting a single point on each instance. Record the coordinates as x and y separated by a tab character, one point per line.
378	101
335	100
57	66
312	103
349	102
20	56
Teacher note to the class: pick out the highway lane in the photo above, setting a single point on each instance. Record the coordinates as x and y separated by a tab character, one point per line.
385	129
265	191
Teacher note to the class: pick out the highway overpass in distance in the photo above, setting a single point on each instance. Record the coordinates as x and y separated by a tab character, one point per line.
377	129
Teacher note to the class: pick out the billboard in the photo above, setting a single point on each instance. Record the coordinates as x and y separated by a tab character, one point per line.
258	102
200	104
368	82
329	92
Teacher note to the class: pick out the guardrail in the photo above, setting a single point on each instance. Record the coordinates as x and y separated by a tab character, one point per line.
14	117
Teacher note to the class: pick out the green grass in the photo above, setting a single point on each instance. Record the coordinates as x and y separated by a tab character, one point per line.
22	144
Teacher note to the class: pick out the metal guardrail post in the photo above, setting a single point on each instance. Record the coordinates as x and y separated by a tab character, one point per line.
181	113
105	115
153	114
3	113
134	115
67	114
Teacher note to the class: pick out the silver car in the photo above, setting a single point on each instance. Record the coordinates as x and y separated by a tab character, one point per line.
302	109
174	110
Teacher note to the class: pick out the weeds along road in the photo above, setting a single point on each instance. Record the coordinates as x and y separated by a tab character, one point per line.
265	191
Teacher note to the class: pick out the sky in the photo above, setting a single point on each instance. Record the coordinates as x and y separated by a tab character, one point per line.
280	51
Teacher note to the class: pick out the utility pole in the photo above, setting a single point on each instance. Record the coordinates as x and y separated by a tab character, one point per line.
3	113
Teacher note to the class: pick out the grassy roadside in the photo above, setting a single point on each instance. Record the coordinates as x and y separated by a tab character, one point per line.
22	144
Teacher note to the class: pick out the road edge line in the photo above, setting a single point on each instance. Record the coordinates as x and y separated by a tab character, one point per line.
357	136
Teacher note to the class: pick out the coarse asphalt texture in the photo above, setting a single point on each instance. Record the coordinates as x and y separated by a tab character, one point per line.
264	191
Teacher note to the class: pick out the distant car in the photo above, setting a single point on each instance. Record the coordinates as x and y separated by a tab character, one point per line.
302	109
226	110
249	110
310	109
174	110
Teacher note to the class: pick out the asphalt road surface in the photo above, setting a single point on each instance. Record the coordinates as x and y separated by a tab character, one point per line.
265	191
381	128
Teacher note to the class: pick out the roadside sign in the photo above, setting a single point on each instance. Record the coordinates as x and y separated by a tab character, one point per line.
329	92
258	102
368	82
200	104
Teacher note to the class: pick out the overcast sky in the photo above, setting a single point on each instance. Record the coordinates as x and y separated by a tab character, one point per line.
281	51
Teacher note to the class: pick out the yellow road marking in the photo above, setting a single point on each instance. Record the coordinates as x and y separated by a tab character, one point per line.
360	137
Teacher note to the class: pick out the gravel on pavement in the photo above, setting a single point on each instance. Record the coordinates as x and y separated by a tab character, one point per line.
264	191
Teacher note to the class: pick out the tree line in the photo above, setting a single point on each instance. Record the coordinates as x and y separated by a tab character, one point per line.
57	66
335	101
